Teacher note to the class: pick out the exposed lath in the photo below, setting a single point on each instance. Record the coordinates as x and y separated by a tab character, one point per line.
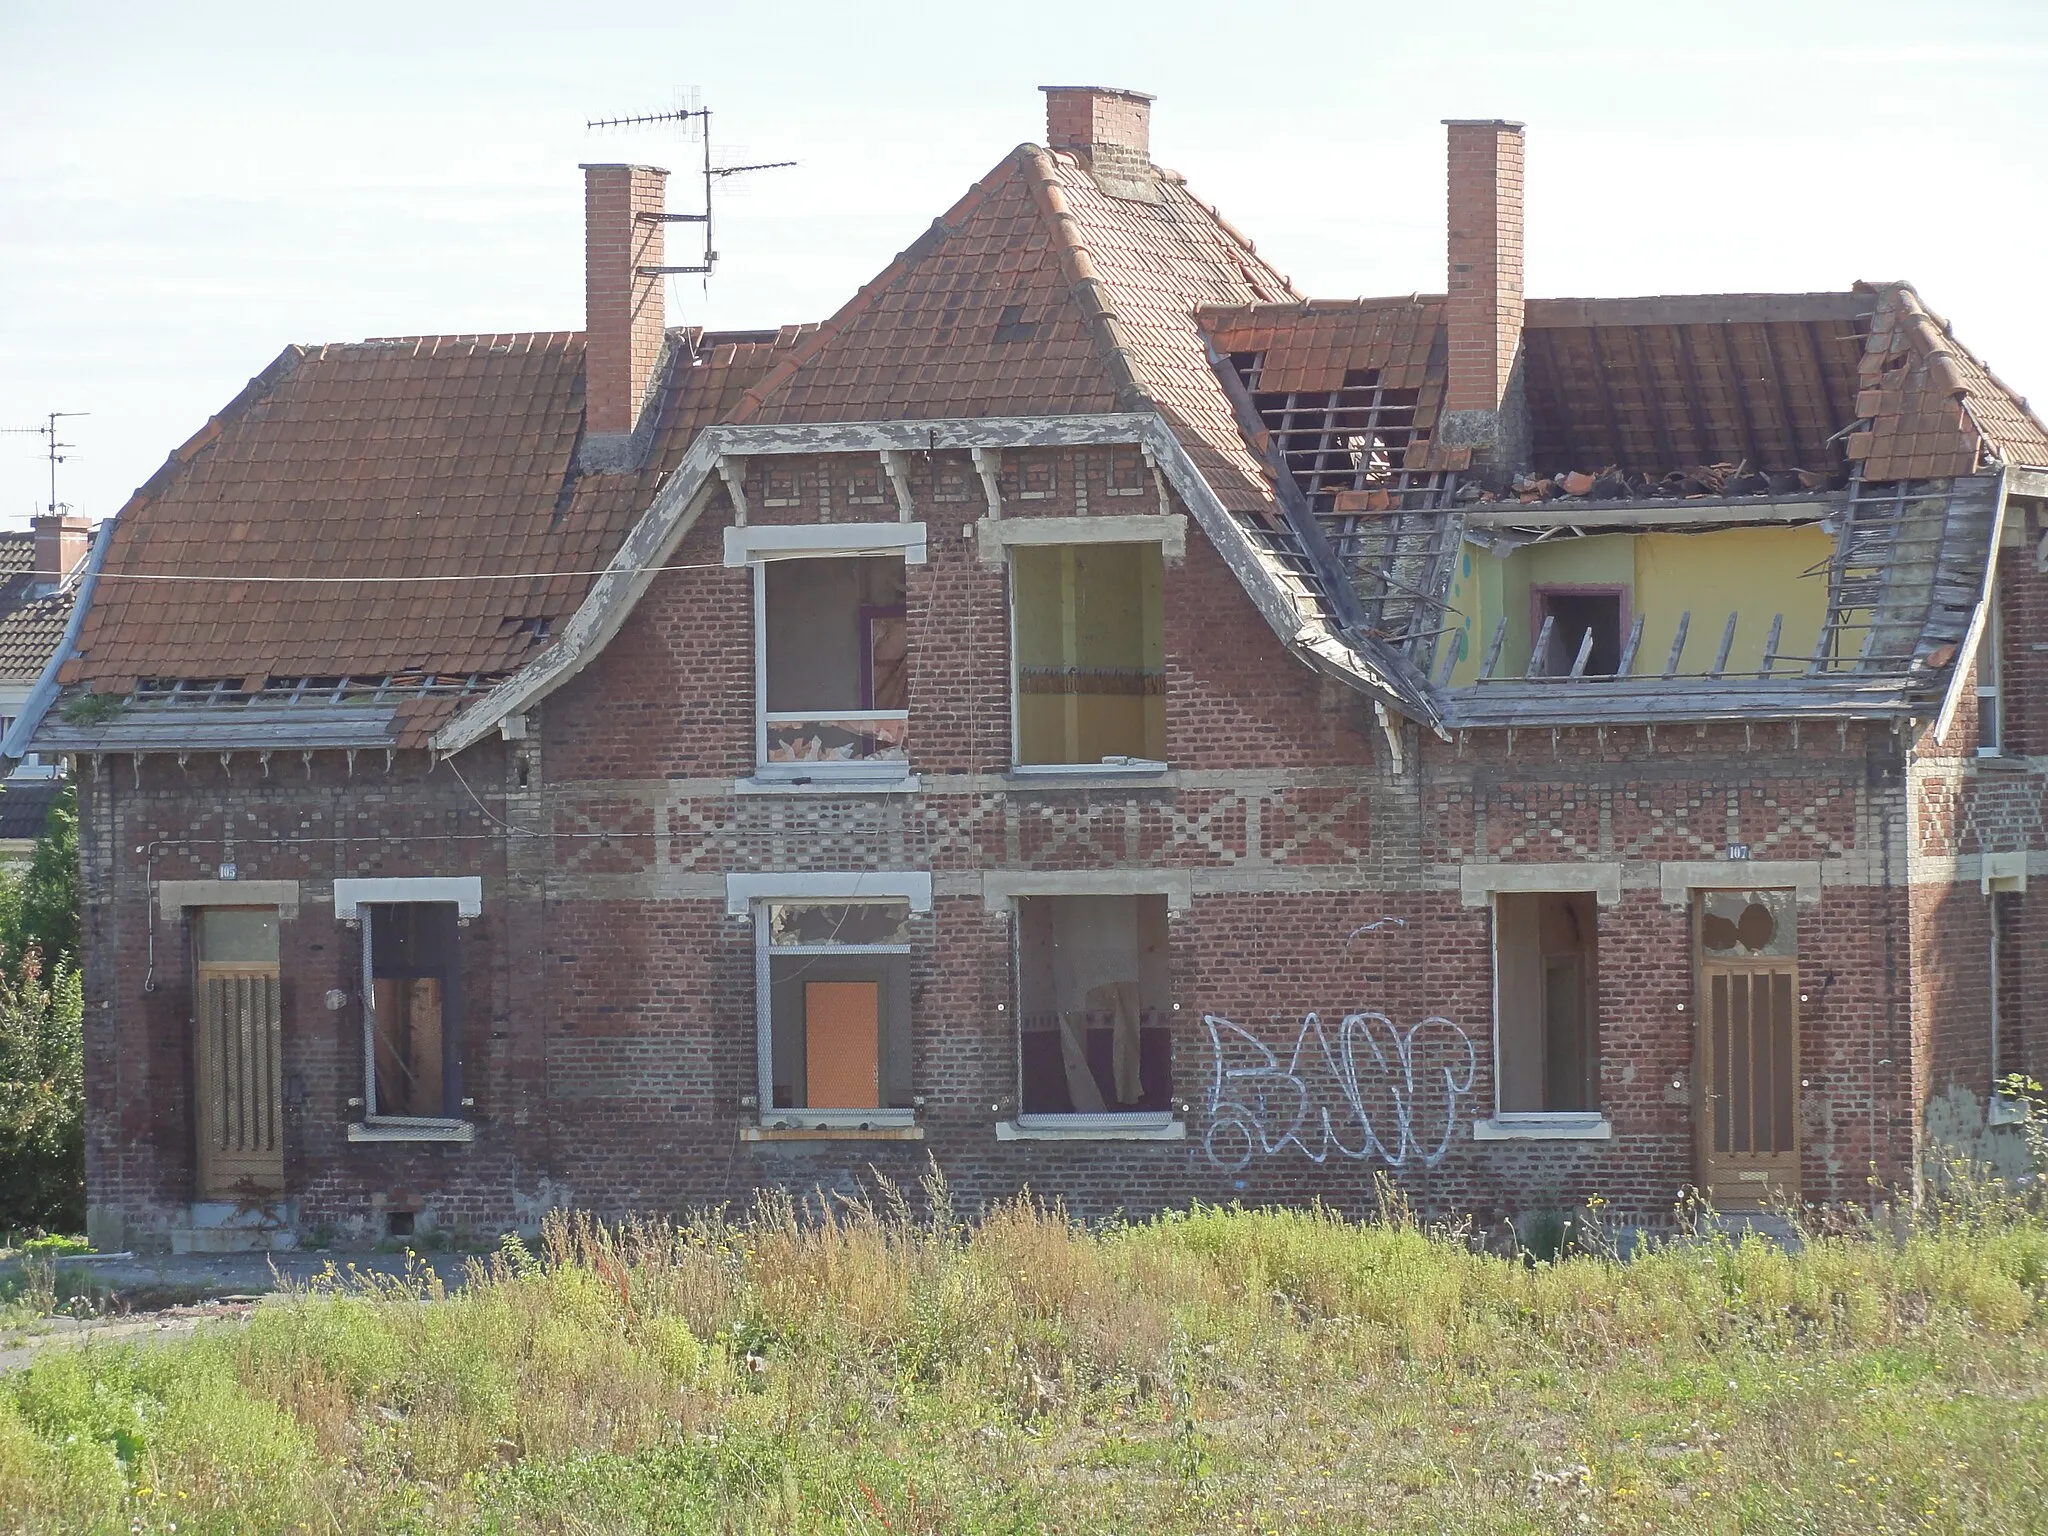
1389	528
1906	573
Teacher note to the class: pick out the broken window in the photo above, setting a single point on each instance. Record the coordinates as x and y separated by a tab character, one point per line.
838	1016
1566	616
412	985
835	651
1990	702
1089	639
1546	958
1092	1006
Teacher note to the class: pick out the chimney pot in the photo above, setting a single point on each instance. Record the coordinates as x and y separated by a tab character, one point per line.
60	545
1089	119
624	321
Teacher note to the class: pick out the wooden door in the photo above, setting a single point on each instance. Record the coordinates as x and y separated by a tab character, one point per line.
1748	1066
842	1045
238	1029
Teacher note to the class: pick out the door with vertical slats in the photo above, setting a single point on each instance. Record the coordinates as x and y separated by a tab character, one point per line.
240	1083
1748	1065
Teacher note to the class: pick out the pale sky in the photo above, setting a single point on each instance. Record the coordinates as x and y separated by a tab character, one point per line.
186	188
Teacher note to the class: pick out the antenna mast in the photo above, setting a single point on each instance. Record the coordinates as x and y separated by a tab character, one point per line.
56	450
712	174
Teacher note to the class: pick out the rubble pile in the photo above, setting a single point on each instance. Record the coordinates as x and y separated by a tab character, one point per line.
1613	484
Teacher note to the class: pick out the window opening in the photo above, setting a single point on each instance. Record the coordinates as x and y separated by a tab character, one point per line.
1743	925
838	1017
412	980
835	656
1571	616
1090	652
1990	701
1546	1001
1093	1005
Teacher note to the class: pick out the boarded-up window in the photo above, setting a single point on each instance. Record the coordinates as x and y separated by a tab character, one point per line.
1093	1005
835	659
838	1005
1090	652
1546	954
413	982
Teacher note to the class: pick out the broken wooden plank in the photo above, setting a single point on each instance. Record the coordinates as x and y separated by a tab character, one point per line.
1585	652
1628	652
1727	644
1500	634
1536	651
1771	644
1678	643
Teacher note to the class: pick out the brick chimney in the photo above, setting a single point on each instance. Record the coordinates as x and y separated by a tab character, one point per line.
1483	405
60	545
1107	125
622	233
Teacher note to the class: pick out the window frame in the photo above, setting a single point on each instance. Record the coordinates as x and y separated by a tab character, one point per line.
1538	1124
751	896
1080	1125
351	897
759	547
1991	697
1007	534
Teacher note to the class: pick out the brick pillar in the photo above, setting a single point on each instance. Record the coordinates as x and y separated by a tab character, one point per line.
1099	121
1484	312
60	544
622	307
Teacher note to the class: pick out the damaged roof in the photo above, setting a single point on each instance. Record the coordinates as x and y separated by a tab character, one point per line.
1055	287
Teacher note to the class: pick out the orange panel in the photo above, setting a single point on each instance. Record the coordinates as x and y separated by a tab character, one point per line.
842	1044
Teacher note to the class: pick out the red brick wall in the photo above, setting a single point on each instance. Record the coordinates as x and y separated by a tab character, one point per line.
1484	313
622	308
610	1031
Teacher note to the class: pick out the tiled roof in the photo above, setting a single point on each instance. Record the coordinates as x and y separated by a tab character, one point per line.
1039	294
449	457
29	634
25	807
17	552
1933	409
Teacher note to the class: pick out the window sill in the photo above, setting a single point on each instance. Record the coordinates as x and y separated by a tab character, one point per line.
1090	1128
832	1133
828	784
1061	773
2003	1110
1544	1128
430	1130
2000	762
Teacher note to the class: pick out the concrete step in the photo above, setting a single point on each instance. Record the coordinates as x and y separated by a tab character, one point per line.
234	1239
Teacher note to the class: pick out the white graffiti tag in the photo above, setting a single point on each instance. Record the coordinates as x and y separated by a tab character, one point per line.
1379	1091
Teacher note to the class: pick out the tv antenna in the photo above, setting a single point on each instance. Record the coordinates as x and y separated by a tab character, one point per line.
713	174
56	450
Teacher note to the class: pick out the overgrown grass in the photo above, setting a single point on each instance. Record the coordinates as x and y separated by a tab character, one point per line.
859	1370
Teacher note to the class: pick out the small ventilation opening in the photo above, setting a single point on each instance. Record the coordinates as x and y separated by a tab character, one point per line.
398	1223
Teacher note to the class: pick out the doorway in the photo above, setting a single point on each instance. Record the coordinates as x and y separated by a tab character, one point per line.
238	1072
1747	1052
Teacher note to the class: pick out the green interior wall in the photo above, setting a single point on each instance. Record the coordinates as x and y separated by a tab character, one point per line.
1753	572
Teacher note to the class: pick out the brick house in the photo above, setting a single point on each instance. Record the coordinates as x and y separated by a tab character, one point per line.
1085	714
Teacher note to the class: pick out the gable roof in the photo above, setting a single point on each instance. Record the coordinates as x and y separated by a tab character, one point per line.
29	633
448	461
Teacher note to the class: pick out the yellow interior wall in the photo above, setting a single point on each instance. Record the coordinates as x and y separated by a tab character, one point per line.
1754	572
